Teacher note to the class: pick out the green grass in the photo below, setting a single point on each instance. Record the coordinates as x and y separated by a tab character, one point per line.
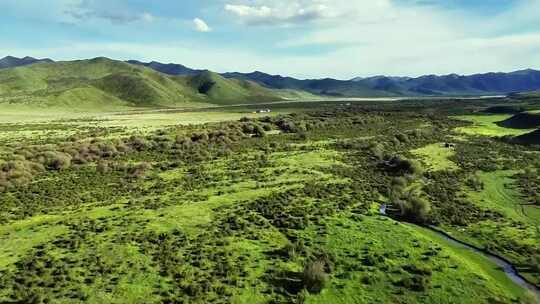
457	272
20	123
499	193
437	157
486	125
18	238
258	214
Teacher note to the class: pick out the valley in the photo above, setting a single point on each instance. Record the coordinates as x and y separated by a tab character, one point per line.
269	152
224	205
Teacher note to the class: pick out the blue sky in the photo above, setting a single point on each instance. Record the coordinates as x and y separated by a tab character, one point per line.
302	38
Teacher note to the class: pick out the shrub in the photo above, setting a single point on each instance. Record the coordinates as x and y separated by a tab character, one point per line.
474	182
400	165
54	160
415	209
377	150
314	276
138	143
402	138
415	283
259	131
199	137
139	170
102	167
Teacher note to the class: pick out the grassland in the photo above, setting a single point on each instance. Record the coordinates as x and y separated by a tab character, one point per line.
500	193
200	207
486	125
437	156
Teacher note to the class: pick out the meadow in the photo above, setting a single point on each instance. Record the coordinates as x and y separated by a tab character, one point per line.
228	206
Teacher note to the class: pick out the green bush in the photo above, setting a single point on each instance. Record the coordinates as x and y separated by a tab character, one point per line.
415	209
314	276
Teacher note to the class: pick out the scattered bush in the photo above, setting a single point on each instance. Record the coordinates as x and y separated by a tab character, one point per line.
415	208
315	276
400	165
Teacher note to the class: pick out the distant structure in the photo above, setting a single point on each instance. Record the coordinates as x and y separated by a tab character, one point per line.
263	111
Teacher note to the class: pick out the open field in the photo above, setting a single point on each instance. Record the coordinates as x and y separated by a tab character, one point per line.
486	125
227	206
437	156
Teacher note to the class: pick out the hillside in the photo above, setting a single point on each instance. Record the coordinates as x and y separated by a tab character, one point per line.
12	62
532	138
167	68
532	95
504	109
103	82
523	120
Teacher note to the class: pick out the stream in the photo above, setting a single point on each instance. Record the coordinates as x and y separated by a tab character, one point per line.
509	269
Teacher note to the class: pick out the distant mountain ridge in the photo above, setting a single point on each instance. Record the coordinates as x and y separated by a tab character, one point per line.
428	85
377	86
13	62
168	68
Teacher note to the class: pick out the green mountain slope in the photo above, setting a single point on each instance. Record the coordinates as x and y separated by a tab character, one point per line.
102	82
226	91
523	120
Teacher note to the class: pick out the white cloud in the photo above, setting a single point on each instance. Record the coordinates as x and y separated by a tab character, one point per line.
281	12
201	26
348	38
147	17
387	37
249	11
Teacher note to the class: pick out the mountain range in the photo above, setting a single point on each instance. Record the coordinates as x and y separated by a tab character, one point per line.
102	82
105	83
11	62
429	85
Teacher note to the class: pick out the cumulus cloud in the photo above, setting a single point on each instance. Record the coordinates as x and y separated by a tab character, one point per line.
395	37
339	38
201	26
281	12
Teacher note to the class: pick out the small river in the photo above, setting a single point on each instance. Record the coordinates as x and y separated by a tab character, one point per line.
509	269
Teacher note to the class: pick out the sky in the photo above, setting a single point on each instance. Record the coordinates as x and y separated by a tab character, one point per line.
300	38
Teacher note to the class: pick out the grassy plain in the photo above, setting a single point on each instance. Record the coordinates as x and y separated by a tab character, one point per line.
437	156
486	125
222	213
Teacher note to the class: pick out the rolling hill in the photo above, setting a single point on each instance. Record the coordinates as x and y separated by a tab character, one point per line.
532	138
13	62
525	120
102	82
